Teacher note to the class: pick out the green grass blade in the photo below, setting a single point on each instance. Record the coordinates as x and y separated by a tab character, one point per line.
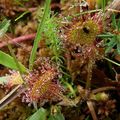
103	5
41	114
38	35
111	61
119	25
4	27
8	61
114	23
22	15
106	35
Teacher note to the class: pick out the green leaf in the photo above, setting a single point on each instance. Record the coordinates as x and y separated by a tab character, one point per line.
109	35
41	114
113	62
58	116
118	48
114	23
119	25
108	49
4	27
38	35
8	61
103	5
111	43
22	15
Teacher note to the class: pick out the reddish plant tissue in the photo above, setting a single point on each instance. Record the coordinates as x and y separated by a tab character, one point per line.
43	85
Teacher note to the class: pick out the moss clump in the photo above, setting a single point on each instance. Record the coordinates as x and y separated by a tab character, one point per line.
83	33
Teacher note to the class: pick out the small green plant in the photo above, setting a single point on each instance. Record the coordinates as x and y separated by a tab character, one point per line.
53	42
41	82
112	39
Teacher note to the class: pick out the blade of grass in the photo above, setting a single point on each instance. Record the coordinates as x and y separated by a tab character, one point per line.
114	23
38	35
40	114
19	17
83	13
112	61
19	68
106	35
103	5
9	62
4	27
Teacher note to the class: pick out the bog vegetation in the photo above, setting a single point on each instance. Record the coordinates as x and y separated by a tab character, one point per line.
59	60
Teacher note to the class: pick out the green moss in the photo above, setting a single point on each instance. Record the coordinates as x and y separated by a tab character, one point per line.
83	33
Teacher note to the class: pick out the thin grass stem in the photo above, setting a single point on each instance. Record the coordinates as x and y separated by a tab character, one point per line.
38	35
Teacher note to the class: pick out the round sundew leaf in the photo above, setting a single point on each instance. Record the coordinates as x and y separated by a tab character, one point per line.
83	33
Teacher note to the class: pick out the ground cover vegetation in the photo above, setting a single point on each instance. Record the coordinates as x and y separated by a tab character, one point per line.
59	60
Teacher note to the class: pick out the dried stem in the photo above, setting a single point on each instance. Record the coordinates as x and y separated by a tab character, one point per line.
89	74
20	9
103	89
18	39
92	110
114	6
11	96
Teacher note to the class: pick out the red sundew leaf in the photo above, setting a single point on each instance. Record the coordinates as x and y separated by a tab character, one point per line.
41	86
54	92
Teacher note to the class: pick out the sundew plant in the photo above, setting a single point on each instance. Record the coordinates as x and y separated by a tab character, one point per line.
59	60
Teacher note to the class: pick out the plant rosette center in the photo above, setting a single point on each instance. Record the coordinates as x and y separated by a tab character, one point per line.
83	33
